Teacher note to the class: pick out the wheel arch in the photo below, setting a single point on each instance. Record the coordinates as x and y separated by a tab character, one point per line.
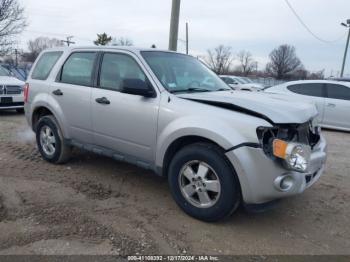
180	143
43	110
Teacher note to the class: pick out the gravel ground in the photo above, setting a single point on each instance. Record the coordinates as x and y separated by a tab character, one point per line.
94	205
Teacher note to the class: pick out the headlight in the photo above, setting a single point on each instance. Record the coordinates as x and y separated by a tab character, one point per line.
296	156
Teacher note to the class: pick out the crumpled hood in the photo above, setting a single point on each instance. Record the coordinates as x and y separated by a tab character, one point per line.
9	80
279	109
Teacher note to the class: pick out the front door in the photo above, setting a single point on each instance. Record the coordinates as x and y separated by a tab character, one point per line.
312	93
123	122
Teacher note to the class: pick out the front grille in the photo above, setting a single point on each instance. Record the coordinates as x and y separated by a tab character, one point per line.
1	90
12	90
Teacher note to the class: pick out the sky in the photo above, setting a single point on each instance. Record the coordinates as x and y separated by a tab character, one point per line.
257	26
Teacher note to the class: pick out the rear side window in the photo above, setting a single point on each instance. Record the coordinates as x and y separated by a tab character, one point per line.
338	92
78	69
45	64
315	89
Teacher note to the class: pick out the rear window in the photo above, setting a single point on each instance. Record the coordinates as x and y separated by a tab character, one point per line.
314	89
45	64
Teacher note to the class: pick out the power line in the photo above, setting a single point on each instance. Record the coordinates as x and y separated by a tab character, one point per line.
308	28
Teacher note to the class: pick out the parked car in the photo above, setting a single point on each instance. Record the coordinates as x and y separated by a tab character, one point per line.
11	91
240	83
332	99
169	113
19	73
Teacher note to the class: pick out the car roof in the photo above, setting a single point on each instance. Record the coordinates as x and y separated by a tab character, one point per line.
316	82
125	48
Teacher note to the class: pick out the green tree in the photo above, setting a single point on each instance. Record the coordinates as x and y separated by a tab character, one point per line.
103	39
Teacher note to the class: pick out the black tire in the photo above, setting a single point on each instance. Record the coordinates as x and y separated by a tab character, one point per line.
230	196
62	151
20	110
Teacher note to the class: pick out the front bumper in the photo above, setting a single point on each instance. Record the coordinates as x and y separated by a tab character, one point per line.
258	174
17	102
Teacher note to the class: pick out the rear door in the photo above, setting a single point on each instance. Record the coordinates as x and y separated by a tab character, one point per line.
72	91
337	110
313	93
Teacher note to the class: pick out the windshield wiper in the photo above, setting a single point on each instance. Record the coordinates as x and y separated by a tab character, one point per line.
192	89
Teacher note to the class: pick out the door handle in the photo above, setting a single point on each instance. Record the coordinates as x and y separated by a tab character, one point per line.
57	92
103	101
331	105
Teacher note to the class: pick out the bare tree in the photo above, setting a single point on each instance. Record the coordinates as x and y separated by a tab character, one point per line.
39	44
283	61
12	23
220	59
122	41
247	63
317	75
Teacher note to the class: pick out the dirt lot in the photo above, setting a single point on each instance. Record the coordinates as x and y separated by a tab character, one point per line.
94	205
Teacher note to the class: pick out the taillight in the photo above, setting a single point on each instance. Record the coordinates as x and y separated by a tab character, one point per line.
26	92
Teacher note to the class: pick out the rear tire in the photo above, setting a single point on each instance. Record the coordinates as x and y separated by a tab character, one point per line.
50	141
203	183
20	110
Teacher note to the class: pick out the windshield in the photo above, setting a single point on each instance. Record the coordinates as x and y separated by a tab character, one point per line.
4	72
181	73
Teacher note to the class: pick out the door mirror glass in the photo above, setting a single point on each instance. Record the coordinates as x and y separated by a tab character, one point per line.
137	87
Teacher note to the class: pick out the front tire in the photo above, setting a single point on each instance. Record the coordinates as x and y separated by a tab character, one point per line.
50	141
203	183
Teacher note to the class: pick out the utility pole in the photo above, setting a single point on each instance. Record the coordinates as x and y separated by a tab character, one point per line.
347	25
174	25
186	38
16	57
68	41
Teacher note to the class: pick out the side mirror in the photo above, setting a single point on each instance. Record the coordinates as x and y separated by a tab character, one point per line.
138	87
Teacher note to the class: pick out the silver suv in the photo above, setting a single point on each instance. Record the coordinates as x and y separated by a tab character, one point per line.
169	113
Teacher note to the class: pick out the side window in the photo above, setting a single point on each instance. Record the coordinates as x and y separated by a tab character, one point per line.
116	68
315	89
78	69
338	92
45	64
